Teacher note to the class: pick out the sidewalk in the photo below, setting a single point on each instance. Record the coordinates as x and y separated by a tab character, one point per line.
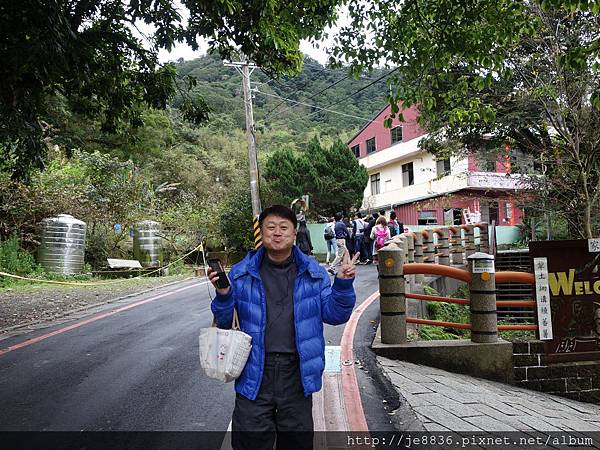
445	401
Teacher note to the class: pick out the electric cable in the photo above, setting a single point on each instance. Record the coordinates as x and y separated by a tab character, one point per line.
317	107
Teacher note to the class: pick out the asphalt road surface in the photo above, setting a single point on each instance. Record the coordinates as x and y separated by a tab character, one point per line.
137	368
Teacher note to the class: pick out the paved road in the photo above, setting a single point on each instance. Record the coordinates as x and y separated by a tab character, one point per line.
137	369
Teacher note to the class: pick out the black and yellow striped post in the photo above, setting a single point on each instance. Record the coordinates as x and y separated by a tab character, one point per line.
257	234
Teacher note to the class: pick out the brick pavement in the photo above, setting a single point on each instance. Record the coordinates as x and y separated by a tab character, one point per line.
445	401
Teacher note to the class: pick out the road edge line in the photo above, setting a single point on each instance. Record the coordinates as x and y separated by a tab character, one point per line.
352	401
43	337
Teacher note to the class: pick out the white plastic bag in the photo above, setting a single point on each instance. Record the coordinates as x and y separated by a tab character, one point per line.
223	353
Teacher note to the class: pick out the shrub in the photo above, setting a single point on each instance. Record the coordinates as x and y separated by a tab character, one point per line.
447	312
13	259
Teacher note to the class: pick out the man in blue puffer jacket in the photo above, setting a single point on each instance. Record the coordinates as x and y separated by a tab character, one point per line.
282	298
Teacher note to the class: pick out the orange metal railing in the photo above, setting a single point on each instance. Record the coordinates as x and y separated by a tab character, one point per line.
439	323
435	298
517	327
463	275
515	277
436	269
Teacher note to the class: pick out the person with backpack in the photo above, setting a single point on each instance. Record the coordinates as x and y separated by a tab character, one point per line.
367	240
380	234
393	225
341	233
358	228
350	236
303	241
329	235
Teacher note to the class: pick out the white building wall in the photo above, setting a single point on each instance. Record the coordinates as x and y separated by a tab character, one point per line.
426	181
389	163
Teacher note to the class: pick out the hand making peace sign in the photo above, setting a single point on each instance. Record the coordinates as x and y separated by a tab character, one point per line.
348	270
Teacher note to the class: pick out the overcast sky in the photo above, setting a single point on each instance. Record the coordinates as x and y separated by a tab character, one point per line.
185	52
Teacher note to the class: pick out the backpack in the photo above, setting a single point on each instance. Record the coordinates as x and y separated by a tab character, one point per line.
393	226
380	237
367	230
329	233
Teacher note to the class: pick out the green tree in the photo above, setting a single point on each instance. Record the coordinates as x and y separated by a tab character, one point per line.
88	52
515	72
235	223
331	176
286	174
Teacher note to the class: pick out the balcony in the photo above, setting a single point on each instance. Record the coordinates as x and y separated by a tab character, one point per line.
498	181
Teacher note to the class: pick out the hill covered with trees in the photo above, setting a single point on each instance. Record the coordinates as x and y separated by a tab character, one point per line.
279	120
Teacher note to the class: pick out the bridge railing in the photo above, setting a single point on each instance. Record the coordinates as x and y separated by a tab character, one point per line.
395	270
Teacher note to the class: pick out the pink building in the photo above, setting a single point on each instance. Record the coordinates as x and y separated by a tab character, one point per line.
424	190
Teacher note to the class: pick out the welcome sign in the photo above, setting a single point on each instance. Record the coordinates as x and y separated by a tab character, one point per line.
574	290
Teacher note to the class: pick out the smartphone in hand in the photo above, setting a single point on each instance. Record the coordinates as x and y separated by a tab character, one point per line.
222	281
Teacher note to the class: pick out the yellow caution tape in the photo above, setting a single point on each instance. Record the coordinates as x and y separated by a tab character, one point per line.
99	283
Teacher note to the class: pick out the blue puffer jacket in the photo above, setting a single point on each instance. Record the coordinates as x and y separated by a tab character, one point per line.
315	301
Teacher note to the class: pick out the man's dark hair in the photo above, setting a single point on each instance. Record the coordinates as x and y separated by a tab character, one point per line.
375	216
359	215
382	212
338	217
392	215
279	211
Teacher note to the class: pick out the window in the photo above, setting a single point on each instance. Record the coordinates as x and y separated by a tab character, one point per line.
443	167
396	133
371	145
408	176
375	184
452	216
427	218
356	150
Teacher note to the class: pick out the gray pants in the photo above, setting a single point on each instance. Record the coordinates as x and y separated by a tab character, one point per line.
341	248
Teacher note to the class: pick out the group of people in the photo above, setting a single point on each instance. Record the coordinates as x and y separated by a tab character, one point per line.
361	235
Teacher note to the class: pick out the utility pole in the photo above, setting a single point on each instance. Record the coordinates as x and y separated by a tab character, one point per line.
246	69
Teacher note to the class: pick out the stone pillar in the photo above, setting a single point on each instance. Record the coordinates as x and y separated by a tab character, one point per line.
392	301
484	316
484	237
419	255
456	249
469	240
410	255
428	248
410	239
444	258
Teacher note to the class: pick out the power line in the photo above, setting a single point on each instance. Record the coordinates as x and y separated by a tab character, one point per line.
297	89
321	91
356	92
314	106
363	88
